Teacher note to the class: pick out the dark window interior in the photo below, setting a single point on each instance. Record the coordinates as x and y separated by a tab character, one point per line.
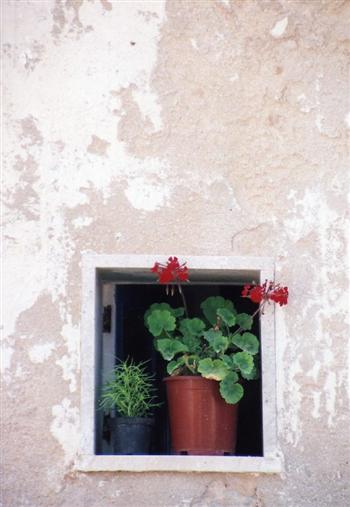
134	341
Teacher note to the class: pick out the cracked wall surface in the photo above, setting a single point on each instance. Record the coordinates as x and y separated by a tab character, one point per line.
214	127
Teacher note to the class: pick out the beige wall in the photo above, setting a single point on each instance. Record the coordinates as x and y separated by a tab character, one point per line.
206	127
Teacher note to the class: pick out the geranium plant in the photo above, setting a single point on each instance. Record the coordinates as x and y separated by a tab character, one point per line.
218	344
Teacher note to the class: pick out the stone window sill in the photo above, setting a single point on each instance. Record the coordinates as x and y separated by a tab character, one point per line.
234	464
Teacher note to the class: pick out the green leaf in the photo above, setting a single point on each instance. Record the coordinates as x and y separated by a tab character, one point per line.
211	305
156	306
232	377
212	369
227	316
210	335
247	342
159	321
174	365
193	343
217	340
244	321
244	361
194	327
170	347
220	343
228	360
230	390
253	375
176	312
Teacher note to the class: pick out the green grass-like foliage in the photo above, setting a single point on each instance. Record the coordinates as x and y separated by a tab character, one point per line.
130	391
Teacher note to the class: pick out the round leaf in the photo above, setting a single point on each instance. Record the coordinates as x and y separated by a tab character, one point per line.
159	321
244	321
247	342
227	360
227	316
211	305
254	374
220	343
170	347
194	327
176	312
210	335
230	390
212	369
244	361
216	340
193	343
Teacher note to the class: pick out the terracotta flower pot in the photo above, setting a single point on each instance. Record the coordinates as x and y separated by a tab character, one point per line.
201	422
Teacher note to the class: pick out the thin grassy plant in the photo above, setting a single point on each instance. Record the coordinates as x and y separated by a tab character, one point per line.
130	391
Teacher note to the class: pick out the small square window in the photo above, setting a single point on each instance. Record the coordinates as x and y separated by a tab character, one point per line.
117	290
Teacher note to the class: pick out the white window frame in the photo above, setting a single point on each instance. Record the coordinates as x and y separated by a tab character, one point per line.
94	268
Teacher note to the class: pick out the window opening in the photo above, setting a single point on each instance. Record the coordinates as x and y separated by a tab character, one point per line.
127	337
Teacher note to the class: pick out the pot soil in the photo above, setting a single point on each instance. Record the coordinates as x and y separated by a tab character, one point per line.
132	435
201	422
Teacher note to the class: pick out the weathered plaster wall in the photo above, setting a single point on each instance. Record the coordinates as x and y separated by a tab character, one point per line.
205	127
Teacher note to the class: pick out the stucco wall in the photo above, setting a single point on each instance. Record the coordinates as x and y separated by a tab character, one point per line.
207	127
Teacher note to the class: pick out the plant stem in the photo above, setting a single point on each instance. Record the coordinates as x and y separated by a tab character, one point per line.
183	299
191	368
259	310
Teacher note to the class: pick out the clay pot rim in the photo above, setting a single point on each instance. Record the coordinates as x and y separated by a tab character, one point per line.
188	377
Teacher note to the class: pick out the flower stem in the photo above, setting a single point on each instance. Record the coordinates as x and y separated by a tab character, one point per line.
259	310
183	299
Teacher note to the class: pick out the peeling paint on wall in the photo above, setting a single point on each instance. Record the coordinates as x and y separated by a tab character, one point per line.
41	352
146	195
70	361
65	428
279	28
6	355
98	146
141	126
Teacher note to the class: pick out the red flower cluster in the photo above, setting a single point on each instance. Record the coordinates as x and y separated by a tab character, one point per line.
172	271
265	292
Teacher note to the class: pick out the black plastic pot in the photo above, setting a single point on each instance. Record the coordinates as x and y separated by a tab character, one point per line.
132	435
